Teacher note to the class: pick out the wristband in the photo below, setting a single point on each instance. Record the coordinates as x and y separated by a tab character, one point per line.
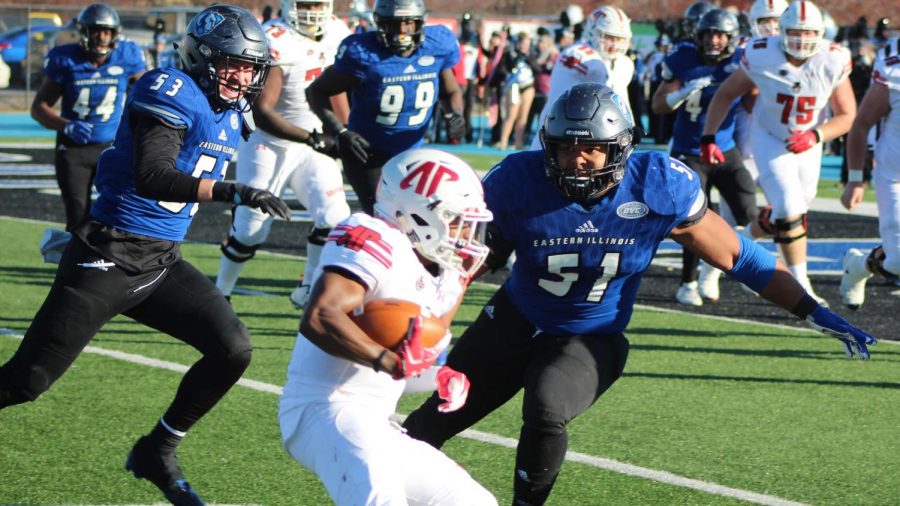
708	139
818	135
806	306
223	192
854	176
376	364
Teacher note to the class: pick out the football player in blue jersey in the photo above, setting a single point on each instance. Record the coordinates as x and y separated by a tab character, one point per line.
585	217
179	130
394	77
691	74
91	76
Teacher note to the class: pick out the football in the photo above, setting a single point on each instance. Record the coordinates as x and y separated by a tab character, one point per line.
386	321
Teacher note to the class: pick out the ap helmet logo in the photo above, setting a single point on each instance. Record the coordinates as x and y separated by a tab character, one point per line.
428	175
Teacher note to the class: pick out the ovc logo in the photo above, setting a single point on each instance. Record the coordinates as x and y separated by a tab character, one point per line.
632	210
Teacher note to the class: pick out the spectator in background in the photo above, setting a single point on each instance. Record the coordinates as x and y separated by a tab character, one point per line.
518	92
494	78
565	39
862	57
545	54
159	41
266	13
469	54
636	98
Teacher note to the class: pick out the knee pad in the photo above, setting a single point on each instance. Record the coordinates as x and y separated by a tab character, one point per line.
764	220
235	251
335	212
250	226
783	228
318	236
238	362
875	263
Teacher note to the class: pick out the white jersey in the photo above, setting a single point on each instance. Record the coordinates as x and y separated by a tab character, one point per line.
382	257
792	98
301	60
581	63
887	72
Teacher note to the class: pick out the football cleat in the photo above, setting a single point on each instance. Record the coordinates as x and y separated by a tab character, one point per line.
853	281
689	295
709	282
148	463
53	243
300	296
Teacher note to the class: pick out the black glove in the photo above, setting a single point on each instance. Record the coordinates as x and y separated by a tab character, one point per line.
352	146
323	143
263	200
456	125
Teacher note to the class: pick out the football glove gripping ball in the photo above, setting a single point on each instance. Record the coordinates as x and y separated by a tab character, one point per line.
353	147
412	358
78	131
855	341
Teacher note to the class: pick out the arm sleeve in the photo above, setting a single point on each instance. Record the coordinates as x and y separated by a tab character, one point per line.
156	147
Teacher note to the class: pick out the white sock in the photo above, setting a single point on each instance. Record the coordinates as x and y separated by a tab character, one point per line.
229	271
313	253
799	271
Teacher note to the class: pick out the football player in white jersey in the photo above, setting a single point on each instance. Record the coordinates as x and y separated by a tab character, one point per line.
286	150
881	103
422	245
797	74
599	58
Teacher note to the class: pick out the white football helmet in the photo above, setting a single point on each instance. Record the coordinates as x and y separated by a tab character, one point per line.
802	15
764	17
437	200
609	31
310	22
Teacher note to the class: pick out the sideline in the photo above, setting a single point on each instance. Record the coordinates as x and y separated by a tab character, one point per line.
484	437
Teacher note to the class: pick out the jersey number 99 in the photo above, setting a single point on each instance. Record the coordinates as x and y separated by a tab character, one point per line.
392	104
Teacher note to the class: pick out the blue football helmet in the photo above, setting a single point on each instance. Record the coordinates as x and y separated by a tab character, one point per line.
216	36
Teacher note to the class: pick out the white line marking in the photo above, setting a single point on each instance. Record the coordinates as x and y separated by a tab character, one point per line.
484	437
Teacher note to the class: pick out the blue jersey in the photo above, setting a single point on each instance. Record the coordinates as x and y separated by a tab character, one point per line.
686	64
392	105
210	142
94	94
577	270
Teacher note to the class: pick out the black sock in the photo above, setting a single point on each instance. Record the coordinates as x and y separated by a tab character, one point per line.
164	438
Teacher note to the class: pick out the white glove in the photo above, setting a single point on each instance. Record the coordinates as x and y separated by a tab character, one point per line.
676	98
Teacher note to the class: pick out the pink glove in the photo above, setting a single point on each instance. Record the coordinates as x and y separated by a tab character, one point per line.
413	359
453	388
801	141
710	153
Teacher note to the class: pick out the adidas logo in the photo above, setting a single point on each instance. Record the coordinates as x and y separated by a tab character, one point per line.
223	136
96	75
489	310
586	228
409	69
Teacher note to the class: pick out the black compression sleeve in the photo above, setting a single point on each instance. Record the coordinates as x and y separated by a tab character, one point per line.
156	147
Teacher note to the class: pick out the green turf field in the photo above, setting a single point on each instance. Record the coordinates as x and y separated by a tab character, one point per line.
742	409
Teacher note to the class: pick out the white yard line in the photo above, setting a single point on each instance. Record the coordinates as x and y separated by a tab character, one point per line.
598	462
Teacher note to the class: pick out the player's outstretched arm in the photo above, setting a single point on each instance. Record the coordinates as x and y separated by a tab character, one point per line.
265	116
875	105
713	240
